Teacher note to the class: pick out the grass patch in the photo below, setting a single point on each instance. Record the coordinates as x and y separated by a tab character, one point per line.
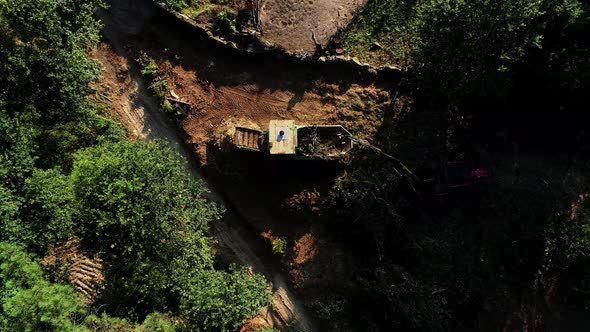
221	14
392	24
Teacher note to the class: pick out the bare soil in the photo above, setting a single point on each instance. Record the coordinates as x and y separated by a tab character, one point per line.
290	23
223	91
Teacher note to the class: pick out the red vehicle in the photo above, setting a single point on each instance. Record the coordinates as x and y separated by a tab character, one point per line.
455	176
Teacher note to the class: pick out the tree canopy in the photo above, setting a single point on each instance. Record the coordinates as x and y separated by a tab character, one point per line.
473	47
66	171
28	302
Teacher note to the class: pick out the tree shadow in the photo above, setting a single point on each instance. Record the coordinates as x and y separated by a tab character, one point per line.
298	97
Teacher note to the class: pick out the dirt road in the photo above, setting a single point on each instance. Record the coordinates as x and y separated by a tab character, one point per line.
132	103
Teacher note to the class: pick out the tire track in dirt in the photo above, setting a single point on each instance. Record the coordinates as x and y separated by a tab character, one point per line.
252	96
134	105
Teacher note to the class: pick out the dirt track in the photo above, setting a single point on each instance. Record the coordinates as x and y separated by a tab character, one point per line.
132	103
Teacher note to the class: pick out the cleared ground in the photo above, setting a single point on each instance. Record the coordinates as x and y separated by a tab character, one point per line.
290	23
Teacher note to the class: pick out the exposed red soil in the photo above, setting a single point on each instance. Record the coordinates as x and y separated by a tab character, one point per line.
259	99
290	23
222	87
114	88
305	249
318	264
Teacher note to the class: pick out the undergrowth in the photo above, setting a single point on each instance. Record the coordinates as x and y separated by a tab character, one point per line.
383	32
221	13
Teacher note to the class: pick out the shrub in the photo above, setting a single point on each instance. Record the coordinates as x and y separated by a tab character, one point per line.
28	302
225	22
157	322
160	88
167	107
221	301
392	24
279	245
138	203
176	4
149	67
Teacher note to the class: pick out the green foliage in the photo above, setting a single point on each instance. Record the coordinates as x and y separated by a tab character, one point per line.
225	22
137	202
64	173
105	323
160	89
218	12
156	322
268	329
44	113
19	147
178	5
149	67
167	107
9	208
44	76
458	47
134	196
279	245
49	202
221	301
28	301
373	196
309	144
575	237
391	24
567	257
488	38
294	326
420	305
568	242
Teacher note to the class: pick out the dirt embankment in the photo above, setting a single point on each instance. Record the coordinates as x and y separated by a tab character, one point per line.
223	87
